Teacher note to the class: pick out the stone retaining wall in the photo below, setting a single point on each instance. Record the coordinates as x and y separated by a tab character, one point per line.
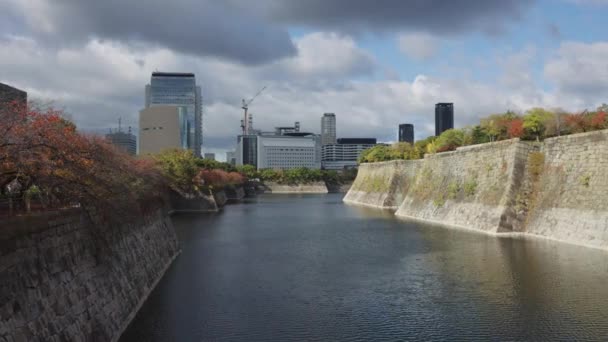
557	189
65	278
383	185
471	187
310	188
570	197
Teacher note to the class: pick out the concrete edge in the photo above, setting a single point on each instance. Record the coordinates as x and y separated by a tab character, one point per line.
297	192
143	299
367	205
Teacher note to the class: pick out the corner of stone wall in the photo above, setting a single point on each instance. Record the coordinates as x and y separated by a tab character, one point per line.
518	189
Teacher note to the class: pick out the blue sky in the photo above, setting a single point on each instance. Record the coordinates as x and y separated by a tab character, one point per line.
374	64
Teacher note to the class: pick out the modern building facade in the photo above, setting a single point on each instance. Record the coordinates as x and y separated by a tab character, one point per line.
231	157
328	129
345	153
209	156
179	89
10	94
162	128
444	117
126	141
406	133
287	150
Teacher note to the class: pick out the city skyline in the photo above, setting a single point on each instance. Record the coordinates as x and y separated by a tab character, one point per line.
376	66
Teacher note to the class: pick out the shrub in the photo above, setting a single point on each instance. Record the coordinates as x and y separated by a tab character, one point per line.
536	164
450	140
470	187
585	180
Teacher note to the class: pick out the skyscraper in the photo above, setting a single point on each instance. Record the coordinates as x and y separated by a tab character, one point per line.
328	129
406	133
179	89
444	117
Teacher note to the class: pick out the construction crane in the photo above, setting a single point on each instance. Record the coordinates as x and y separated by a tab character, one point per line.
245	122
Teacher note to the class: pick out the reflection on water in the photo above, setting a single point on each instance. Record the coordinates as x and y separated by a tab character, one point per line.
310	268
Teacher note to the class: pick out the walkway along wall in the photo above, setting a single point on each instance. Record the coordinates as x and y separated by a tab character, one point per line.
557	189
64	277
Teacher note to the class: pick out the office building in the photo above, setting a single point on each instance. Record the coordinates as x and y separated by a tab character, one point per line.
162	128
285	148
126	141
209	156
179	89
231	157
328	129
406	133
345	153
10	94
444	117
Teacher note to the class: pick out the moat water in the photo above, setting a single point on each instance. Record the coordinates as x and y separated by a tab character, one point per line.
310	268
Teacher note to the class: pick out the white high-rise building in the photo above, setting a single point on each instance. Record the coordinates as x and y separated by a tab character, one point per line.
328	129
179	89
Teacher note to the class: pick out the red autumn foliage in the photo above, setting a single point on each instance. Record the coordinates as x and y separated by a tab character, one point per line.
447	148
577	123
598	121
41	149
218	178
515	128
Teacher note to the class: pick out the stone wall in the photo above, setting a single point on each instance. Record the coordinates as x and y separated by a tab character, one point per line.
310	188
65	278
570	197
468	188
181	203
383	185
557	189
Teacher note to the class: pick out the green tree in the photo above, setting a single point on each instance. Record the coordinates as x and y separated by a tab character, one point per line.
248	170
536	121
268	175
179	167
401	150
420	147
478	136
450	140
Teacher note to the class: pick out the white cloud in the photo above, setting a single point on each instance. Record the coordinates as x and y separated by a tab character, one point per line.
104	80
418	46
580	70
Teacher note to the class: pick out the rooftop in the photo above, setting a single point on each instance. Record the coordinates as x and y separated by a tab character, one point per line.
172	74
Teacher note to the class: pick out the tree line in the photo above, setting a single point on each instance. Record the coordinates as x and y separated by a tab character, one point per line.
46	162
536	124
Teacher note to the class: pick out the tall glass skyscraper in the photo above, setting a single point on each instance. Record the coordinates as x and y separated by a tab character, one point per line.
328	129
179	89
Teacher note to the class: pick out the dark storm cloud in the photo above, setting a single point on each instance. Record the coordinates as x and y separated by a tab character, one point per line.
195	27
437	16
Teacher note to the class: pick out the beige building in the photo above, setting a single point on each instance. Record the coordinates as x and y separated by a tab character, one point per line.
162	128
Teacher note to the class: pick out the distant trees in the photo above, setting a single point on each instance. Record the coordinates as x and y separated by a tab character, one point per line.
189	174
